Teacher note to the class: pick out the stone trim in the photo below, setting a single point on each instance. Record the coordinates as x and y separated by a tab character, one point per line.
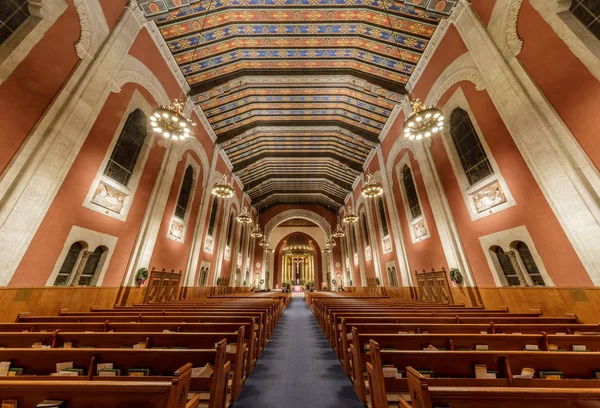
137	101
420	222
13	51
458	100
580	41
94	239
505	239
93	27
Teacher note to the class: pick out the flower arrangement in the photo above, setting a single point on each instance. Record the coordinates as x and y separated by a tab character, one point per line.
456	276
141	276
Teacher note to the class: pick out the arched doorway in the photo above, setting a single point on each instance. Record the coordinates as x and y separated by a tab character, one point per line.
285	252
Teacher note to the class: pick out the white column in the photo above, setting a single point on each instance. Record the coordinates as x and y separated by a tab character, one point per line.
51	149
562	170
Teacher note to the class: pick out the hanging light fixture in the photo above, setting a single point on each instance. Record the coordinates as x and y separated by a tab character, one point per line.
339	232
222	188
350	216
331	242
263	242
371	188
423	122
244	217
170	122
256	232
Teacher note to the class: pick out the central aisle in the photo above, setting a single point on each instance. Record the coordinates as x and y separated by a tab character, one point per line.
298	368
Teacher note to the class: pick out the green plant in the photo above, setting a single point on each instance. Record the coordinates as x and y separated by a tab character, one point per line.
456	276
377	281
351	282
244	284
325	288
141	275
219	281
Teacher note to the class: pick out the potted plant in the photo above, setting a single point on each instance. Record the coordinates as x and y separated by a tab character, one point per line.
456	276
377	281
141	276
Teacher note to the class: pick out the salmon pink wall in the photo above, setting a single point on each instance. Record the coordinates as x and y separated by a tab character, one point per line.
67	210
565	81
484	9
168	253
113	9
31	87
532	209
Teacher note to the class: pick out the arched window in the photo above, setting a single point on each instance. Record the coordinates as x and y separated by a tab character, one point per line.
213	217
529	263
68	266
588	13
184	193
470	151
365	230
203	276
13	13
411	192
93	265
508	269
122	161
382	217
230	230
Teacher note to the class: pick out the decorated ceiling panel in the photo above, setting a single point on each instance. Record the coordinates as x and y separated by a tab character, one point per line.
297	91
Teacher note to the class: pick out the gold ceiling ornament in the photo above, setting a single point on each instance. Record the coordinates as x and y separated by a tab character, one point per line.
339	232
222	188
350	216
170	122
371	188
244	217
423	121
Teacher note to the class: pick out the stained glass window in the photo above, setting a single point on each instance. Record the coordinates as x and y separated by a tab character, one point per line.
508	269
64	274
128	147
382	217
530	265
184	193
411	193
13	13
588	12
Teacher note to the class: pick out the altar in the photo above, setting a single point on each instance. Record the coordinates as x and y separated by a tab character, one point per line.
298	288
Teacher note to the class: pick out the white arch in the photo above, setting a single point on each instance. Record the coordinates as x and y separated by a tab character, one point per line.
133	70
461	69
93	27
399	145
194	145
503	27
297	213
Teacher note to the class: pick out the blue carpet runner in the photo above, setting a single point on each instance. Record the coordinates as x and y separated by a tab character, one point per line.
298	368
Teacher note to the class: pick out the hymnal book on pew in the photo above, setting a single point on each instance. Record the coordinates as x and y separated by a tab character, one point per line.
140	345
532	347
109	372
526	373
15	371
431	347
78	371
551	375
138	372
61	366
389	371
9	404
4	368
579	347
204	372
482	347
480	371
68	344
426	373
50	404
103	366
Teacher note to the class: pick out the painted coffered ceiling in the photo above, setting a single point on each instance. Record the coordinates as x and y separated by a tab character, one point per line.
297	91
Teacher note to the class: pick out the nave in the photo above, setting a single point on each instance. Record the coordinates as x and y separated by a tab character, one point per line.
297	368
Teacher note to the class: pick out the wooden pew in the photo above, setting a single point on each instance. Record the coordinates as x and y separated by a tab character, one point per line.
425	396
39	363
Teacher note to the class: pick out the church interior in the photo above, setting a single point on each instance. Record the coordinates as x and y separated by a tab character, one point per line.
293	203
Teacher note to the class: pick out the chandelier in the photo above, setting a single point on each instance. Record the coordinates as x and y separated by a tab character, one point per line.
256	232
263	242
171	122
331	242
222	188
339	232
423	122
350	216
270	250
371	188
244	217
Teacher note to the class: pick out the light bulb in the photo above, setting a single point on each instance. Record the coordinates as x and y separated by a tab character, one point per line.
153	124
156	129
157	115
186	130
441	118
411	124
165	115
174	137
175	118
406	130
407	135
193	123
419	137
153	118
412	137
434	129
181	137
418	118
166	134
182	124
428	115
427	134
440	123
436	115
